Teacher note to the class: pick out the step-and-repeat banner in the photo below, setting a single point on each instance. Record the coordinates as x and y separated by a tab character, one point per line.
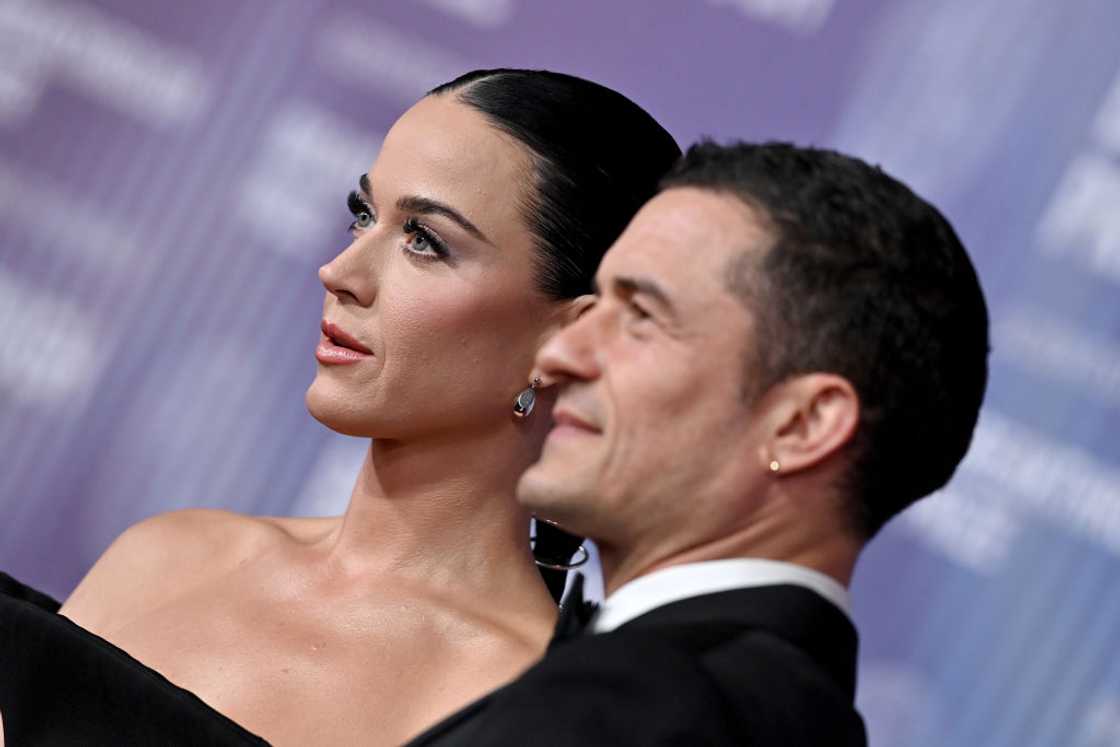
172	174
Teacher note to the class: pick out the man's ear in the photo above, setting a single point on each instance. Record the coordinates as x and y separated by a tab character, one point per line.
815	415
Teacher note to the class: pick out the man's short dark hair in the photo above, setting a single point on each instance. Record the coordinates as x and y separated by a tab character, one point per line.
866	280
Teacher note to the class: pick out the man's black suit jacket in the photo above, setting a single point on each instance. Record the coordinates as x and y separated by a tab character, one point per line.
772	665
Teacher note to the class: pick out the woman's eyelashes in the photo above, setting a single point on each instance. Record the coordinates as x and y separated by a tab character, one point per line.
422	241
362	212
419	239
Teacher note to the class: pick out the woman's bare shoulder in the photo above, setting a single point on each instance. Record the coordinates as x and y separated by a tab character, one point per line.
161	555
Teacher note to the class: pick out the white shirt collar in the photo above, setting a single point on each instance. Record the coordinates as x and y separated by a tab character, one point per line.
677	582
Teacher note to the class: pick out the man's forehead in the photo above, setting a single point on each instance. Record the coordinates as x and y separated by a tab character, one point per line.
685	238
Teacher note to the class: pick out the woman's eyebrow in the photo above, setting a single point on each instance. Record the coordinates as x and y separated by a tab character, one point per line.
426	206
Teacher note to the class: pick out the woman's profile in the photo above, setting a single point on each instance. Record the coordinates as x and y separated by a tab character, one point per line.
475	236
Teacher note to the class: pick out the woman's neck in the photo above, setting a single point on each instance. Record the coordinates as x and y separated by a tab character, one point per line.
440	508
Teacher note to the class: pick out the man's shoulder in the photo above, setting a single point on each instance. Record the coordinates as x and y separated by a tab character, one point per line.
763	669
769	684
620	688
162	554
724	654
639	685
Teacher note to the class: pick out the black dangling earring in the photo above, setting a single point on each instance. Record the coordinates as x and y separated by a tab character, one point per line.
568	551
523	405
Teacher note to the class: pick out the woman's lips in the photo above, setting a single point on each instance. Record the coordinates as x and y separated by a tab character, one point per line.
336	347
331	354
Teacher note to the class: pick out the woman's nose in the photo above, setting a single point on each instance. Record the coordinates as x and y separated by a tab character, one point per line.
351	274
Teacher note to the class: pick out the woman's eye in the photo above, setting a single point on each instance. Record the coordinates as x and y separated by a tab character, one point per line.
361	210
422	241
419	242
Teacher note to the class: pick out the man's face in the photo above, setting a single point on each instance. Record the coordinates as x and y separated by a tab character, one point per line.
653	434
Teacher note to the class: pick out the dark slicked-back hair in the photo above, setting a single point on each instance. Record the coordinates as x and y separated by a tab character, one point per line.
597	158
866	280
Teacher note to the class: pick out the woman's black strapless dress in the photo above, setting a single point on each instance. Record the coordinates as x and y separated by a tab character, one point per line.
62	685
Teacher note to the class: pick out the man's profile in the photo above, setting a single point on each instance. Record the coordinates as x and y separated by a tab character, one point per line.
788	348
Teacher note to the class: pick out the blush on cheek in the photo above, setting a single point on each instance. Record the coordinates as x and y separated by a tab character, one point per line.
435	368
463	326
430	326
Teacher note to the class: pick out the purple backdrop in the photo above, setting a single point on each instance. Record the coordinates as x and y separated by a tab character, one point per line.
171	176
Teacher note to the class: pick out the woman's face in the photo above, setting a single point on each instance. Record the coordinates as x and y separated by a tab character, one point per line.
436	284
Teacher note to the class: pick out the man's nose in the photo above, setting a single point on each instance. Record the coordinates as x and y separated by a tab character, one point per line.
572	353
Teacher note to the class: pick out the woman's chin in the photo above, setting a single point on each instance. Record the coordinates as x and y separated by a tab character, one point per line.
341	417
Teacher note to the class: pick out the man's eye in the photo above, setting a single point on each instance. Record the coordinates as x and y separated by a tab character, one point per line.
637	311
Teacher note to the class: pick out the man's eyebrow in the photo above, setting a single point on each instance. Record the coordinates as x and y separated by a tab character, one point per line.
426	206
629	285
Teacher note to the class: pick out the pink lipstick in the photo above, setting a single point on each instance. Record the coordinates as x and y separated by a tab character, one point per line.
336	347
